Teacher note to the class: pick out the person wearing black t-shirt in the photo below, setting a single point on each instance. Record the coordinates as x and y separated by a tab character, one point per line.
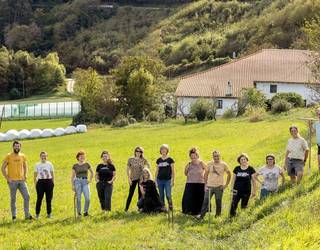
150	200
243	178
165	175
105	176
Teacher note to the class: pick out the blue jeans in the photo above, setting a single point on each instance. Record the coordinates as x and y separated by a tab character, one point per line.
264	193
82	186
164	186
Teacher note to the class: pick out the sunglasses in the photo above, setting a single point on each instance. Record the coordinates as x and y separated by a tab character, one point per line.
138	151
270	159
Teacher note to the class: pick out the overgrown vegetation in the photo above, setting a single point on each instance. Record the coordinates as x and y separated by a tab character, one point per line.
196	36
203	109
22	74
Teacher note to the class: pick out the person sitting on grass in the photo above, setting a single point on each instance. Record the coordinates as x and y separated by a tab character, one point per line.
150	200
80	182
243	179
105	176
165	175
214	183
44	183
270	173
297	152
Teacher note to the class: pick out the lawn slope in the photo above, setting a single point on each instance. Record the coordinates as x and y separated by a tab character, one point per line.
268	225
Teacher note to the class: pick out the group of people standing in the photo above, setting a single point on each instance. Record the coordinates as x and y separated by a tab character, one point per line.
203	180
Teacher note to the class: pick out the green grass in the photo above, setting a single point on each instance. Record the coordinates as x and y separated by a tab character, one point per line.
288	220
58	95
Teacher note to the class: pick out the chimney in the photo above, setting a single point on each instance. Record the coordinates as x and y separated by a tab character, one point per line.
229	89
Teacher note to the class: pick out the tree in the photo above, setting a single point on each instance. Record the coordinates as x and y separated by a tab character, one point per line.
311	39
252	97
23	37
27	74
96	96
137	79
88	88
182	107
49	73
5	58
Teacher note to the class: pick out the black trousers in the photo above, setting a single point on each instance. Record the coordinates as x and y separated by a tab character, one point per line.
104	190
244	197
193	198
131	192
44	187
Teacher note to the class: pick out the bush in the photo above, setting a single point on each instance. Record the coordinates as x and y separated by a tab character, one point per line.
120	121
229	113
211	114
132	120
293	98
200	108
255	114
251	97
280	106
155	116
14	93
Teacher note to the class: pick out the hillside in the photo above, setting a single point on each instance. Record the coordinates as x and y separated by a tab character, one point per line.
288	220
185	36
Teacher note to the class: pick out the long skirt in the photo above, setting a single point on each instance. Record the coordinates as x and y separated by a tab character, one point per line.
192	198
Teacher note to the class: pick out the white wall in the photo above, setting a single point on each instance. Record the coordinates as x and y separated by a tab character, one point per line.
301	89
186	103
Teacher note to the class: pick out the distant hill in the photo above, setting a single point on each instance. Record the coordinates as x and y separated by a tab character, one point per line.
187	36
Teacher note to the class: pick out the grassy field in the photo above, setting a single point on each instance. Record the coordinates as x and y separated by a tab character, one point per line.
58	95
287	221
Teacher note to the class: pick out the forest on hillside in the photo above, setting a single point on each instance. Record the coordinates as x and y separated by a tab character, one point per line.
142	46
191	37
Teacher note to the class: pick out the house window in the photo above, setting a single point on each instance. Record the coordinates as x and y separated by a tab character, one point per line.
219	104
273	88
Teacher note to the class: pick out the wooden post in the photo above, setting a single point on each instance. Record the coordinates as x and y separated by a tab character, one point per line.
2	114
209	207
310	147
309	121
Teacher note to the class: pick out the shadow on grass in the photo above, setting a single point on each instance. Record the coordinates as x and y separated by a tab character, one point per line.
221	228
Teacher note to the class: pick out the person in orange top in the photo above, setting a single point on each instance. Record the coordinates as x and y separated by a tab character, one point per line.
14	169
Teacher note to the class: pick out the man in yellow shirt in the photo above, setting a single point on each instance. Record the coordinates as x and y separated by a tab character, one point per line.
14	169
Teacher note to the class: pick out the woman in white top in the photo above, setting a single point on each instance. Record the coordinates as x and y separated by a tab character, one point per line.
270	173
44	183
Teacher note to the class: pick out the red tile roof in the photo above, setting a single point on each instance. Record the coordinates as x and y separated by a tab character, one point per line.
268	65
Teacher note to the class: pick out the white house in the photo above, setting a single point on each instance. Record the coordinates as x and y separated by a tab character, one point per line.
270	70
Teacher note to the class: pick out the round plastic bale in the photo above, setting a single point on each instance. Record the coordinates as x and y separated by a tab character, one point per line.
35	133
23	134
70	130
48	132
81	128
12	135
59	132
3	137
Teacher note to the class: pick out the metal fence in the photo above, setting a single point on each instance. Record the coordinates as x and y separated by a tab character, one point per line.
39	110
